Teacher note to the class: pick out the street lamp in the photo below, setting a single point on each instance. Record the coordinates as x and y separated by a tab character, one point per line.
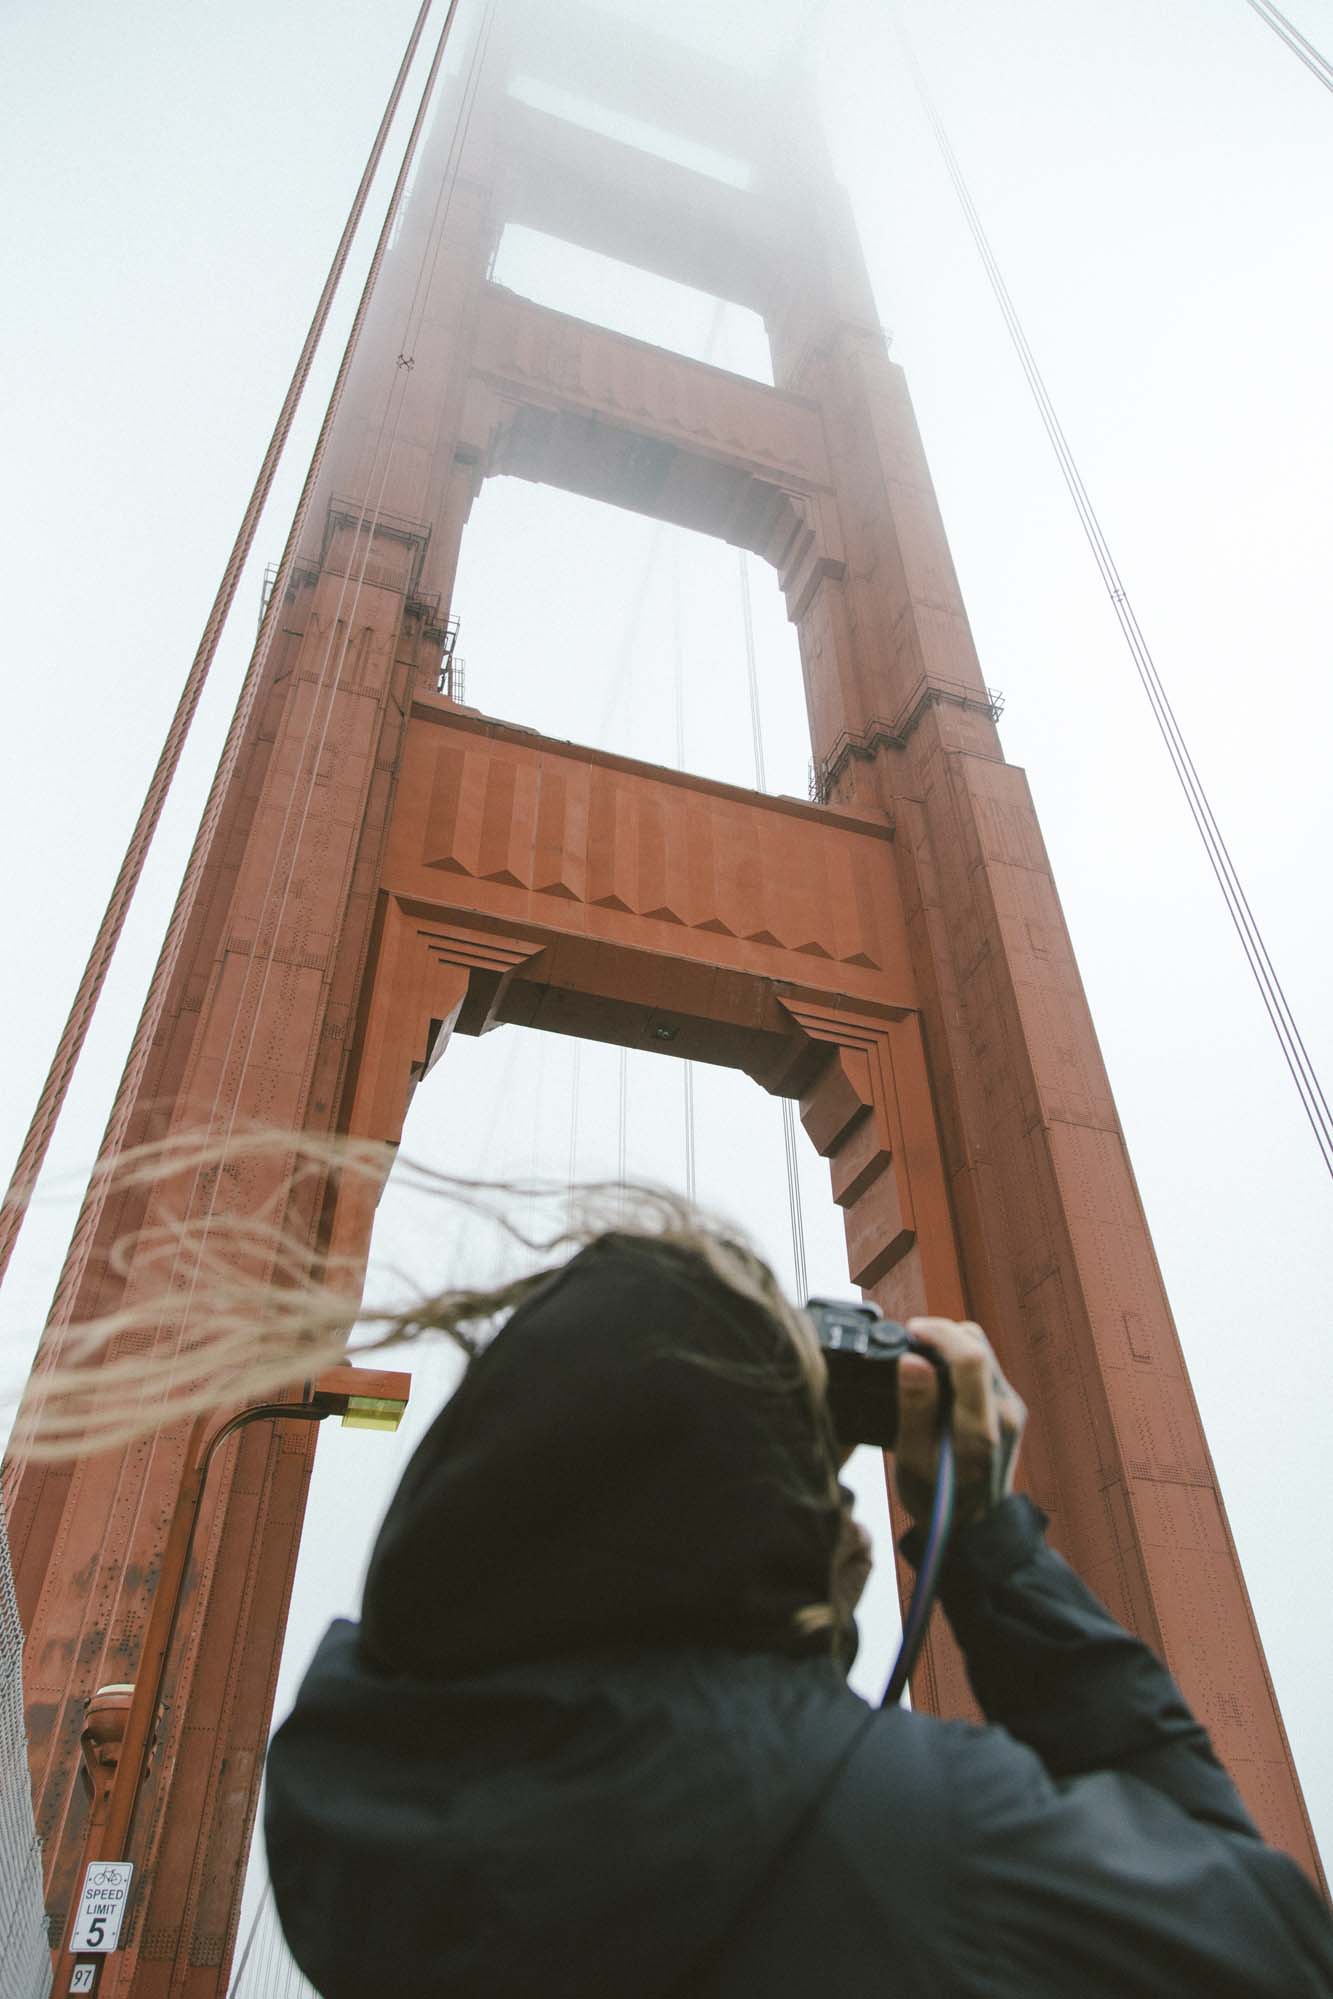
120	1720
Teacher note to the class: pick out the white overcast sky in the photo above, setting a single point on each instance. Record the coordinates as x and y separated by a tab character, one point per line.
1156	181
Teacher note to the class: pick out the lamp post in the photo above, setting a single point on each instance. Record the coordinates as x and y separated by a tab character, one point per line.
120	1721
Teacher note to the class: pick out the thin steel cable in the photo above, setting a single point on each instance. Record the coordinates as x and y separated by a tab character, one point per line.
791	1151
37	1141
164	973
622	1165
691	1180
1294	1051
574	1073
534	1157
795	1208
677	656
462	1224
624	655
678	682
752	674
621	679
239	1973
256	1968
263	1972
1315	61
273	1956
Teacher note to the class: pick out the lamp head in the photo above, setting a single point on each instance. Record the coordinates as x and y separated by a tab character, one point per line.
367	1398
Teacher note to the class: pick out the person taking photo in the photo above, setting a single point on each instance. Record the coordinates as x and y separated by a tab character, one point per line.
592	1736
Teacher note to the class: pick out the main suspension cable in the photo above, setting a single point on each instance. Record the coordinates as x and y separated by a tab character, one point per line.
173	942
328	678
1297	1057
1315	61
37	1141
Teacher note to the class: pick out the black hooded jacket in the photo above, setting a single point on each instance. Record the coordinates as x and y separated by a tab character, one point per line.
580	1747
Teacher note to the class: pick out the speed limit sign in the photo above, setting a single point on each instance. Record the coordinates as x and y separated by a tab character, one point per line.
106	1889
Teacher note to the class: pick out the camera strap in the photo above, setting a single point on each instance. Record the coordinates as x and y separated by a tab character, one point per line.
928	1572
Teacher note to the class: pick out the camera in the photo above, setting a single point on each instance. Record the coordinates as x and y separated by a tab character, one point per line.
861	1349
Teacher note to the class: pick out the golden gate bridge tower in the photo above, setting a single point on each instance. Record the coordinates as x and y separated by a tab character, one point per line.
385	867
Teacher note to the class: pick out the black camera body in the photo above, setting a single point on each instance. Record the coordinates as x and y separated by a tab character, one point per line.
862	1349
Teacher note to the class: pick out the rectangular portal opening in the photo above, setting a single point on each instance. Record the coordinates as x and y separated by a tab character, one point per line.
626	298
596	625
628	130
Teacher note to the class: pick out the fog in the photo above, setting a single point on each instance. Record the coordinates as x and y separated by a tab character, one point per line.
1155	183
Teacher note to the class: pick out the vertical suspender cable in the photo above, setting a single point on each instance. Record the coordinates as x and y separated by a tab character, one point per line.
574	1118
1317	63
691	1180
534	1159
620	683
797	1214
238	1974
622	1161
678	675
169	957
752	674
262	1982
1303	1074
790	1146
677	656
619	687
36	1143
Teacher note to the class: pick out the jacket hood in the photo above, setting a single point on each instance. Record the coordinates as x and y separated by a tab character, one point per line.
564	1830
636	1459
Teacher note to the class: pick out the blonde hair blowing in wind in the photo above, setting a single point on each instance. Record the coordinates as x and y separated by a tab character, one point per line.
232	1305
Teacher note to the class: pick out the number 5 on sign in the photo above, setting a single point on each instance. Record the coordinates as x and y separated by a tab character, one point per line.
106	1889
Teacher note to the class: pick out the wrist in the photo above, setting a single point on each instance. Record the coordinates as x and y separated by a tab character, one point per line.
990	1545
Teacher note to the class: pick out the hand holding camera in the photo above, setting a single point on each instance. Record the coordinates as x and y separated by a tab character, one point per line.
932	1393
895	1386
987	1420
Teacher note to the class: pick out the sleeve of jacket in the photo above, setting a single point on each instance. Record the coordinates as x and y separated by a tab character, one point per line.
1100	1885
1049	1663
1095	1822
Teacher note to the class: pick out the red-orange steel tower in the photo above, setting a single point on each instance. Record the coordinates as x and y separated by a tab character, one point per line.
390	867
